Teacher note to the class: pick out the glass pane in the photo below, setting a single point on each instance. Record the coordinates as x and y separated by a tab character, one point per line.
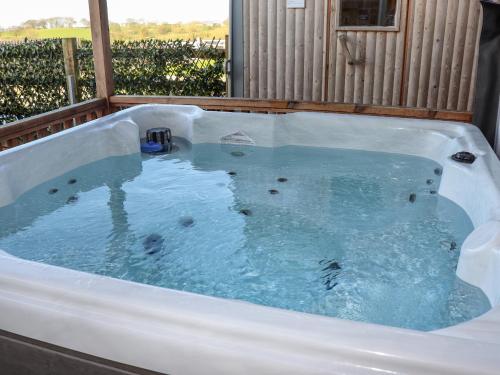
367	12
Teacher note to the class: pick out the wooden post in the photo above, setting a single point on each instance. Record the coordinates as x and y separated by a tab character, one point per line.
71	69
101	46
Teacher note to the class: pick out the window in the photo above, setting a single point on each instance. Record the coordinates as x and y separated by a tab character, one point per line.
368	15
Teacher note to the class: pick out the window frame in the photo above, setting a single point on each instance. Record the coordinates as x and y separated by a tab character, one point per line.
395	28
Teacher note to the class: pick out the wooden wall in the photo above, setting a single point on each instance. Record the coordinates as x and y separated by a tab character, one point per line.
283	50
296	54
442	50
377	78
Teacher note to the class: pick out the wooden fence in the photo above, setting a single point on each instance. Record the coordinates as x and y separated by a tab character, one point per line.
36	127
429	61
31	128
276	106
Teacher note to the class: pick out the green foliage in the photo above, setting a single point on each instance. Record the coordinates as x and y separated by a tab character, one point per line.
32	78
157	67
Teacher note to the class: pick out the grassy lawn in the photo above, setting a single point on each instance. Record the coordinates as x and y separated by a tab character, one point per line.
81	33
131	31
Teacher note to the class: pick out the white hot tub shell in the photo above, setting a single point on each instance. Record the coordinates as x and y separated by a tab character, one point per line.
183	333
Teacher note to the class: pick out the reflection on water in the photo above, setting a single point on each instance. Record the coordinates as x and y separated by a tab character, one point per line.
351	234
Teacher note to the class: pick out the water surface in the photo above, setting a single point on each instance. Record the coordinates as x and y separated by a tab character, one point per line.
350	234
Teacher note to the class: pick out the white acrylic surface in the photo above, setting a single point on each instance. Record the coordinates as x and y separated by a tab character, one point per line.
182	333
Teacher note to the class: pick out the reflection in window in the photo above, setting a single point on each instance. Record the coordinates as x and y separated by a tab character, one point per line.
367	12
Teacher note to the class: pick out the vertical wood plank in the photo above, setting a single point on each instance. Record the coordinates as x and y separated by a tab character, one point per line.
472	91
458	54
90	116
309	49
332	56
425	62
389	67
280	49
437	53
468	59
447	58
410	15
350	68
416	53
359	67
379	68
101	47
254	48
290	54
320	40
397	85
246	48
271	48
340	64
68	124
371	43
263	49
299	54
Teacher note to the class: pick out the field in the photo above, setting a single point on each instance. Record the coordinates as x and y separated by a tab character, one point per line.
20	34
128	31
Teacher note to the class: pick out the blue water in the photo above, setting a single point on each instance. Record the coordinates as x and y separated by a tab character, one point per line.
350	234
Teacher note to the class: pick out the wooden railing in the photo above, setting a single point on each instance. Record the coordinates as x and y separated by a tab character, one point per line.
118	102
31	128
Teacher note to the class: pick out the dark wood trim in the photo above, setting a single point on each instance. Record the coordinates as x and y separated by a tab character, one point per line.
395	28
328	39
43	120
39	126
408	30
284	106
23	355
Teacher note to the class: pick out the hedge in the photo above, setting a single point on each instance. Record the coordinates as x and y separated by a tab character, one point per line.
32	78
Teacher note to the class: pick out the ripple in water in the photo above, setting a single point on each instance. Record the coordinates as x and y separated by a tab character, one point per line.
353	234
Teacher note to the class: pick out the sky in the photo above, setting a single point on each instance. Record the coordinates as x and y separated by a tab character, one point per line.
15	12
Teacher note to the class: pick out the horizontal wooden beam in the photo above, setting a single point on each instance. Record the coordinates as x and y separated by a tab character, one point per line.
284	106
42	120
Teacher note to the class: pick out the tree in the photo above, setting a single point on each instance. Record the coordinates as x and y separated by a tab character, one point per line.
41	24
85	22
30	24
69	22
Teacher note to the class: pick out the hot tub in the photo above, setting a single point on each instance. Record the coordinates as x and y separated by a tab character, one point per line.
343	232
